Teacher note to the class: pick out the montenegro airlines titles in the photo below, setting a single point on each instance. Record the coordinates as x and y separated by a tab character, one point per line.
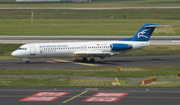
102	49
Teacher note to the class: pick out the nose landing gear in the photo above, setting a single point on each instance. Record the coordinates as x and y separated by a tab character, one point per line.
26	59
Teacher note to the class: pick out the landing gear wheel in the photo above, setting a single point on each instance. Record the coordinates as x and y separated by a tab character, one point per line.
84	59
92	60
27	62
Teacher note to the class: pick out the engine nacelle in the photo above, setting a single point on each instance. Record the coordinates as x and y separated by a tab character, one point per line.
120	47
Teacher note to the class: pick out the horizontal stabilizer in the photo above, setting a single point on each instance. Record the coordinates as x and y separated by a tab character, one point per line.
157	26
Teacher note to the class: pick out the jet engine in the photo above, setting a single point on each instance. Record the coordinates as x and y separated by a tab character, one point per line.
120	47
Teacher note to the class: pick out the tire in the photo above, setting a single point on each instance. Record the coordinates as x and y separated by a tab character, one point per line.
92	60
84	60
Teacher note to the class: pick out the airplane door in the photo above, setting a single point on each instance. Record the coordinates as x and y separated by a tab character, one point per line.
32	50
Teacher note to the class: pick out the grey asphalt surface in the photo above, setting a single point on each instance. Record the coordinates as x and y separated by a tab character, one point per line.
126	61
136	96
154	40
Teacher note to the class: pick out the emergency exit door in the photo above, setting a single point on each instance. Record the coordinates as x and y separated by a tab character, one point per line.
32	50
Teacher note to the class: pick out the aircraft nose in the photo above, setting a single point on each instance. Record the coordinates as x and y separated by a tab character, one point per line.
14	54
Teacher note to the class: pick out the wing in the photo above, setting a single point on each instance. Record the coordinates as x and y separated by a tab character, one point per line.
96	53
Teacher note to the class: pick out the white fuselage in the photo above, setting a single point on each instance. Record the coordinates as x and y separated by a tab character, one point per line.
52	50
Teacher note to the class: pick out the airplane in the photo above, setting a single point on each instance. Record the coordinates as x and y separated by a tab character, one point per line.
101	49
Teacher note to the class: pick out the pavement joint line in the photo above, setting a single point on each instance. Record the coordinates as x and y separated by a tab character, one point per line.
74	97
87	64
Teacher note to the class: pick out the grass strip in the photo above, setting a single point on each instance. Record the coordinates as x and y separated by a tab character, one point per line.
168	14
67	82
148	72
96	3
6	50
85	27
154	50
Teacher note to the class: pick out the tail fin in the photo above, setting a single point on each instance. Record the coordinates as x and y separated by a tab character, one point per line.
144	32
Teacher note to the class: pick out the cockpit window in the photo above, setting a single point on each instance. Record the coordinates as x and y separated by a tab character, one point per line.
19	48
22	48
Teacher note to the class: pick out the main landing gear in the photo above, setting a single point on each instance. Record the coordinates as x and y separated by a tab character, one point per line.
27	62
92	60
84	59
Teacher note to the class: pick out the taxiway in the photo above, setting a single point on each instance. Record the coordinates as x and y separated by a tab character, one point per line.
88	96
65	63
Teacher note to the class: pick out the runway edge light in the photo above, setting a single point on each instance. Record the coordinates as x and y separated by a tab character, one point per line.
116	80
178	74
118	68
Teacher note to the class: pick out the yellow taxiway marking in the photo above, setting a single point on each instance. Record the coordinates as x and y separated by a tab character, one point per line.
87	64
74	97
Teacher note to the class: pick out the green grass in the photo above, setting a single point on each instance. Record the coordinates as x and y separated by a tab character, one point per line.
154	50
58	82
6	50
68	82
87	22
167	84
22	81
138	3
90	14
85	27
148	72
